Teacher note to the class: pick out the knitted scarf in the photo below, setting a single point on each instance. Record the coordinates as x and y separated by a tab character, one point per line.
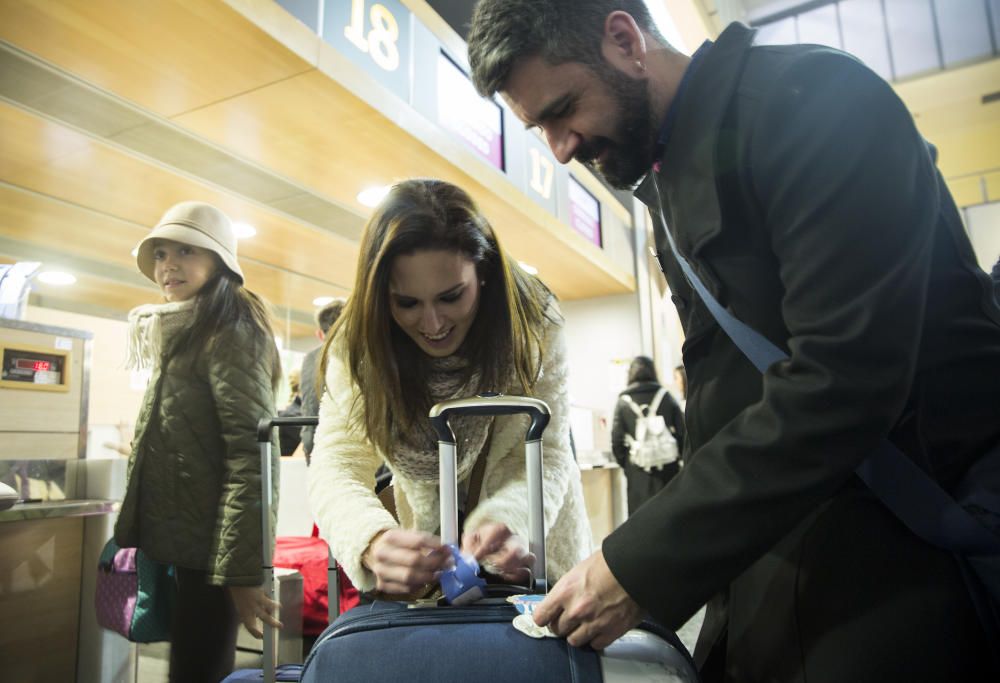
151	328
415	454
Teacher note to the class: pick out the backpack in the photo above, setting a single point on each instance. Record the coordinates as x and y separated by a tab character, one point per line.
653	446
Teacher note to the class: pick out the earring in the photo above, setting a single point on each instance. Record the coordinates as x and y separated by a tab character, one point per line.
482	283
640	65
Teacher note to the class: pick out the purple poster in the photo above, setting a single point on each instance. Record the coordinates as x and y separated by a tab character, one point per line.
584	212
462	111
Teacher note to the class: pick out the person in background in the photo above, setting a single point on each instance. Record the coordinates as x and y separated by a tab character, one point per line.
194	481
643	387
439	311
793	181
681	382
289	438
326	317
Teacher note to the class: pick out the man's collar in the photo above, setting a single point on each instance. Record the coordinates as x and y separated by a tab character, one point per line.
687	156
670	118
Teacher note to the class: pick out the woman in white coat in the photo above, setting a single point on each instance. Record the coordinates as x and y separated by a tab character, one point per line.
438	312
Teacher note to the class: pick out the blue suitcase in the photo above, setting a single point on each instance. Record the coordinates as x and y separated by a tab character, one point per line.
282	674
416	642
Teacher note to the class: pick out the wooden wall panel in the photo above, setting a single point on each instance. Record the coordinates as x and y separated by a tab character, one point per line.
169	57
362	148
40	574
36	446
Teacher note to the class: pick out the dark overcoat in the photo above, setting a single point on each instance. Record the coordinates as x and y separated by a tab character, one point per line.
799	188
643	485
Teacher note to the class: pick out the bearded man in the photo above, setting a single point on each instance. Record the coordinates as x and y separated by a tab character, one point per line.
794	182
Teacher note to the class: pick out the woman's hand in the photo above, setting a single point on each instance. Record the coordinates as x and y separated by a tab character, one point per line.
405	561
499	551
252	603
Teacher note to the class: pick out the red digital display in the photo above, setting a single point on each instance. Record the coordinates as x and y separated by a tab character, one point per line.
36	365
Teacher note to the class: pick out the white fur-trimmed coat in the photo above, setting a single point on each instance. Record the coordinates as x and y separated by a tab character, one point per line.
344	462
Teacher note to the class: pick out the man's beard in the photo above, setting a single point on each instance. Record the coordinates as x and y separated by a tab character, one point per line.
630	157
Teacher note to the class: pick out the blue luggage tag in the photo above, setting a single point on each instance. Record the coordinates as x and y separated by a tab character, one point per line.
461	584
526	604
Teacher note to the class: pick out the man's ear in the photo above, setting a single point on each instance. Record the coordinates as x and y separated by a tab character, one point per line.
623	44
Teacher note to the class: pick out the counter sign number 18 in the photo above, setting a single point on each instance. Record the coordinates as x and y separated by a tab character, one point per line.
380	41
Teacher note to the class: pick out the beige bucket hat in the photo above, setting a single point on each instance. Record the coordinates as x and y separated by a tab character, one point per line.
196	223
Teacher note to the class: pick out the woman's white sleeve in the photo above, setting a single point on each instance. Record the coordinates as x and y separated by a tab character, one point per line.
342	478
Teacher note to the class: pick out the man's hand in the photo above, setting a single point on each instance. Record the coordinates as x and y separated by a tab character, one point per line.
589	606
252	604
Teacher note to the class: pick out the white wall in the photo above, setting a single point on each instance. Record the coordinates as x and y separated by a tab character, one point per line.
602	337
983	223
601	333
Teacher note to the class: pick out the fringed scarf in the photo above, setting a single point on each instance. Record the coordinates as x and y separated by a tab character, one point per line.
415	455
151	329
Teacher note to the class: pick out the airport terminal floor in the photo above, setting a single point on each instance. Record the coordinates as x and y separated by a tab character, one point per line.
524	338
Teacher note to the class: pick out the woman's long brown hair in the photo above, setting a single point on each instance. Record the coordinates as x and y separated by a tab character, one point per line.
503	345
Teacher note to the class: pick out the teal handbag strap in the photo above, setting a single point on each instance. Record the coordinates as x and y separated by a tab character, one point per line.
107	558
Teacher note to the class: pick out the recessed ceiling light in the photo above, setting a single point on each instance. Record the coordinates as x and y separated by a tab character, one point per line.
56	277
322	300
371	196
528	268
244	230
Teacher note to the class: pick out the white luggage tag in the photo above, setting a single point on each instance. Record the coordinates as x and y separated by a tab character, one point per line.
524	622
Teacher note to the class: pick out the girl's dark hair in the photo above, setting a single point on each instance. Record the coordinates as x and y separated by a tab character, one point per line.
224	303
642	369
504	343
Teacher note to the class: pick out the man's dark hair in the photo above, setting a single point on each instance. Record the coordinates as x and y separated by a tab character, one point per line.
559	31
327	316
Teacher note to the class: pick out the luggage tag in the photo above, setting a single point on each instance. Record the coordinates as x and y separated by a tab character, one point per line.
523	622
462	584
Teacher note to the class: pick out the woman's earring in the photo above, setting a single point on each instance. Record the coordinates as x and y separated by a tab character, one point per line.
482	283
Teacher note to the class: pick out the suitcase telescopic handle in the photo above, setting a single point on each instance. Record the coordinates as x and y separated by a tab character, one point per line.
264	427
266	424
494	404
490	404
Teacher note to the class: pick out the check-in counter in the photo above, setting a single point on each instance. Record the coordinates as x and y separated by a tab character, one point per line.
605	495
51	539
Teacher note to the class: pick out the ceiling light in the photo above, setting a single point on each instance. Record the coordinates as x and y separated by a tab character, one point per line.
322	300
371	196
244	230
528	268
56	277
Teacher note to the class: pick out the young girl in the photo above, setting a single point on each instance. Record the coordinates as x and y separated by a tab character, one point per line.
194	485
438	311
